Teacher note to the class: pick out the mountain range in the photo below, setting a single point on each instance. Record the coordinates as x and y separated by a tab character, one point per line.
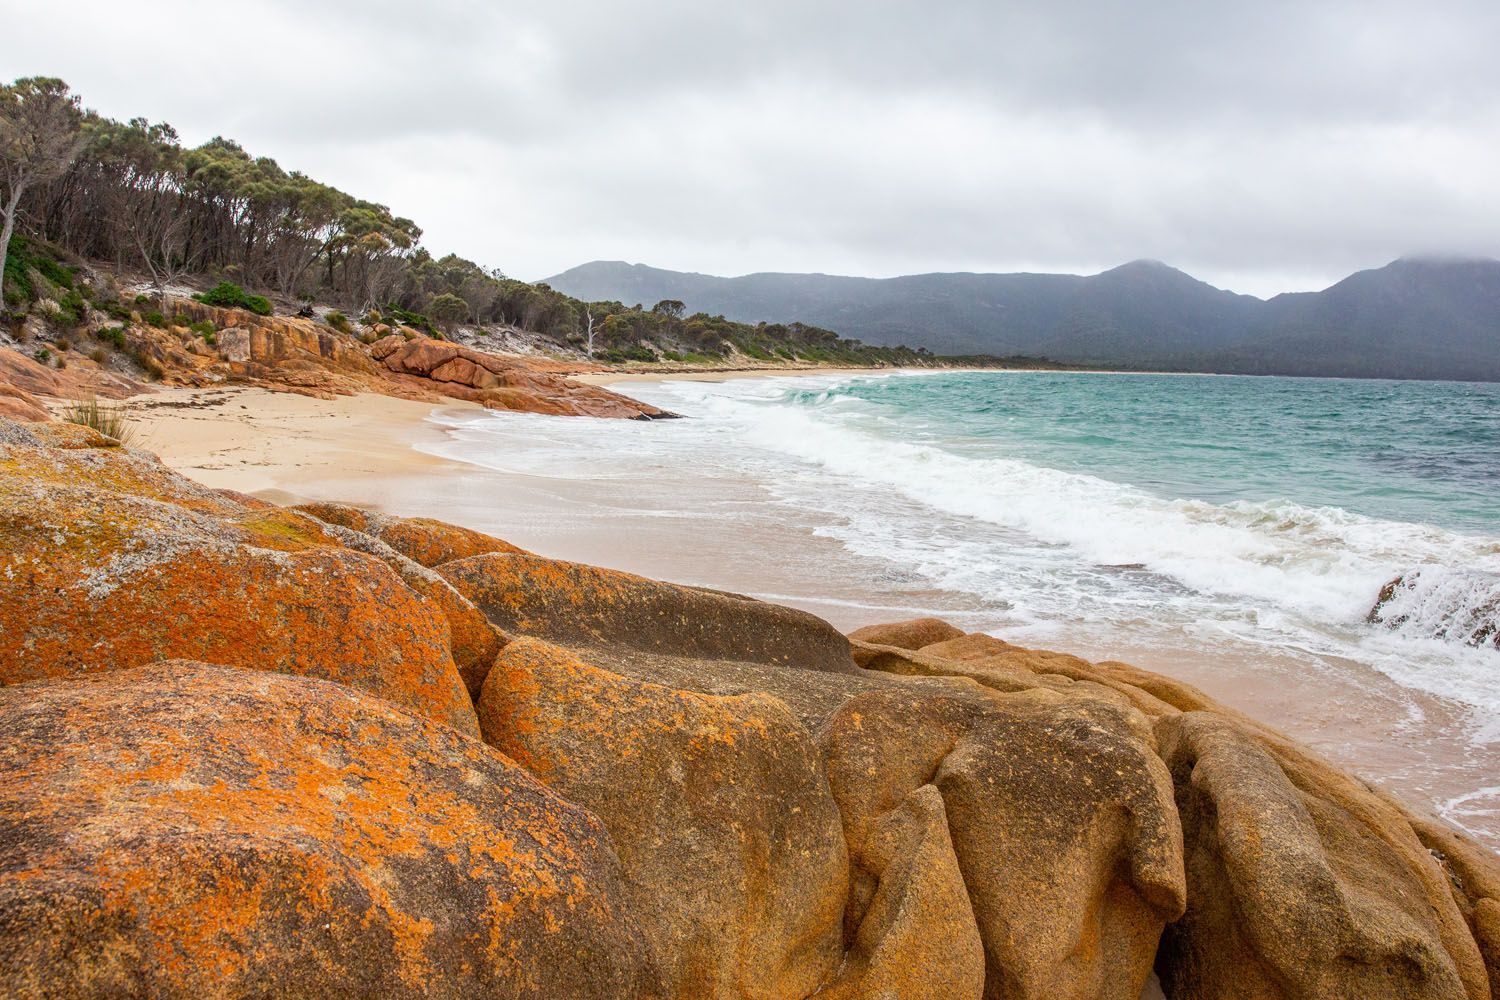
1426	318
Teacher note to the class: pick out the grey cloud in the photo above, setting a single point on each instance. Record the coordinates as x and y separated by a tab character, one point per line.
1253	144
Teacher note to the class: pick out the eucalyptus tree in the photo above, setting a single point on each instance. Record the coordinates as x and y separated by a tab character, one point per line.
40	134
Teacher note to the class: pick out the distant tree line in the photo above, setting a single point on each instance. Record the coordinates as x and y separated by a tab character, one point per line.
130	194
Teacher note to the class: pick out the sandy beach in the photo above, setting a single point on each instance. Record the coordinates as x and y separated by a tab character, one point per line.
267	443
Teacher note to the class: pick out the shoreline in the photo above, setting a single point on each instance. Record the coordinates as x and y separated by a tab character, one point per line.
379	452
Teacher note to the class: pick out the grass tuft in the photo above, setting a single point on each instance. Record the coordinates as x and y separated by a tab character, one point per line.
111	421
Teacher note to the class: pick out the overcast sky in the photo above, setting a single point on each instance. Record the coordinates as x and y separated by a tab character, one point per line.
1262	146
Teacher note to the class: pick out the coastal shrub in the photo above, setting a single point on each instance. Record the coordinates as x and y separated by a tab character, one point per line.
154	318
228	295
202	328
113	335
72	308
23	263
338	321
405	317
42	354
142	300
111	421
619	355
115	309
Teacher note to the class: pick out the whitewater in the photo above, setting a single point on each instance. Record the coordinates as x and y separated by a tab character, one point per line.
1244	526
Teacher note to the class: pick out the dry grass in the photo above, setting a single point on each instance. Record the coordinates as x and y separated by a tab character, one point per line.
111	421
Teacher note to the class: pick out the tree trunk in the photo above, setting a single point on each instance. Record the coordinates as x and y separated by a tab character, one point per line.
6	229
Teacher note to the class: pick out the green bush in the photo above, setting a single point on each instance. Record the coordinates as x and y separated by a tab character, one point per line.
202	328
635	352
20	261
42	354
338	321
74	308
113	335
405	317
154	318
231	296
142	300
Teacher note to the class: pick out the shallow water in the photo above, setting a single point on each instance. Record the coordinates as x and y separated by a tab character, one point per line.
1231	531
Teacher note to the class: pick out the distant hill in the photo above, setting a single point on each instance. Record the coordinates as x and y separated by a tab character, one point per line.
1413	318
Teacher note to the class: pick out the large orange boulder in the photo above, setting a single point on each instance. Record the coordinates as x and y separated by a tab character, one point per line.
584	605
184	830
421	539
916	937
471	638
97	579
913	634
729	841
1061	819
1303	888
503	382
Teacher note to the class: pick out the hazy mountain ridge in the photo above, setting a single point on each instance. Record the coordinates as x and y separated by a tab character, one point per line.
1413	318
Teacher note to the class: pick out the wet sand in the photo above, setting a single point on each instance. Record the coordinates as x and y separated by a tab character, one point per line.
362	449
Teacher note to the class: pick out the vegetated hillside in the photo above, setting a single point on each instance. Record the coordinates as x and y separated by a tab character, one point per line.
128	197
1414	318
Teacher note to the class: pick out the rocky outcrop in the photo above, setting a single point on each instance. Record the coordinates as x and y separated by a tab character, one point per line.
500	382
1072	861
728	839
586	605
1440	603
428	542
105	568
1296	893
185	830
426	763
912	634
303	355
26	384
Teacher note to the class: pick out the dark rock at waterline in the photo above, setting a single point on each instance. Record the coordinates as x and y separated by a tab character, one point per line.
1461	606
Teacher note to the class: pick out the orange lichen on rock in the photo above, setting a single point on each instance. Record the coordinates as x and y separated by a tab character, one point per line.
98	579
574	603
185	830
472	639
502	382
728	837
1061	819
420	539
